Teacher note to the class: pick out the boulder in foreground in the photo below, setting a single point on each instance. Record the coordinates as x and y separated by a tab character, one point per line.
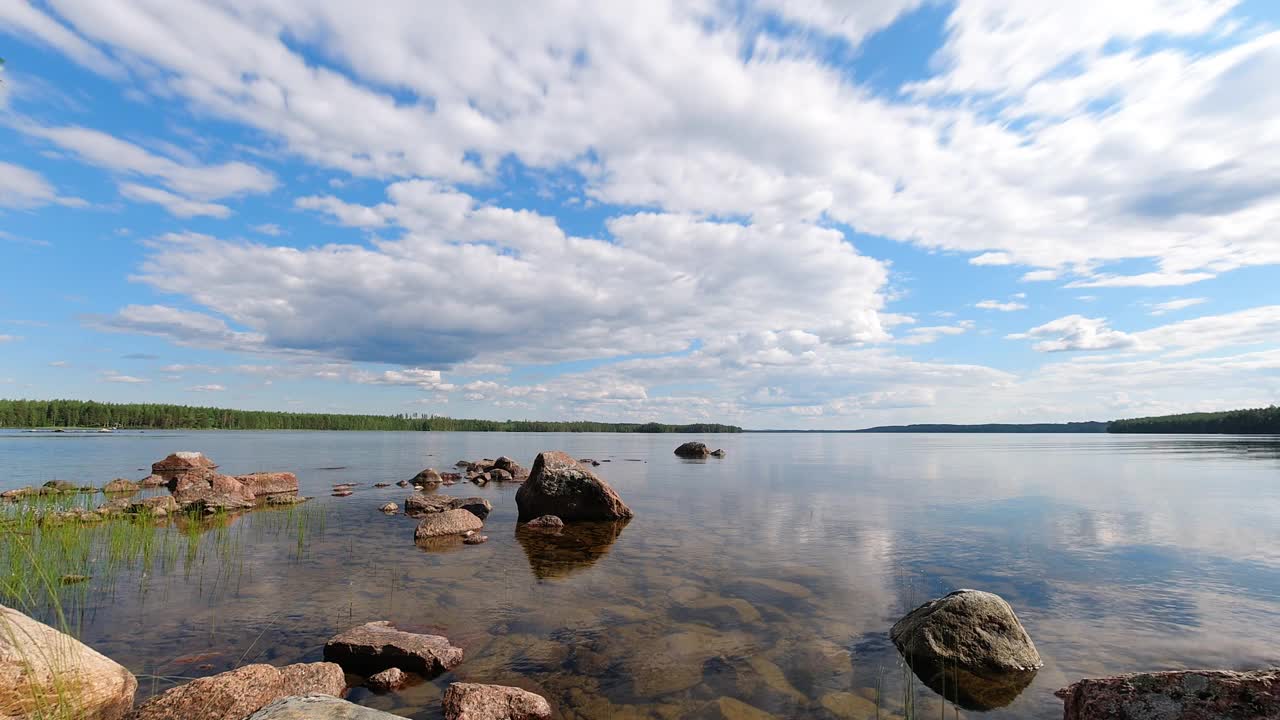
559	485
1180	695
318	707
969	630
38	664
377	646
472	701
240	692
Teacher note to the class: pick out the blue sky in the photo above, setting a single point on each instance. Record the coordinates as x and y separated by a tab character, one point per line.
812	214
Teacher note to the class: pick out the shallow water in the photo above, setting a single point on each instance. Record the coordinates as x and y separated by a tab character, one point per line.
769	577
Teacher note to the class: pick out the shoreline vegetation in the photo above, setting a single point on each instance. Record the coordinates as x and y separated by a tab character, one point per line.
86	415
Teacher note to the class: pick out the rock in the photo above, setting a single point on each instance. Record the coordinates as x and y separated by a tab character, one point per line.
390	508
18	493
969	631
54	487
341	493
480	478
545	521
159	505
151	481
121	485
318	707
589	461
240	692
517	471
559	552
420	504
475	539
387	680
211	491
37	661
403	483
499	475
471	701
382	484
262	484
1178	695
451	477
718	453
733	709
286	499
477	506
183	468
377	646
427	477
561	486
693	450
449	522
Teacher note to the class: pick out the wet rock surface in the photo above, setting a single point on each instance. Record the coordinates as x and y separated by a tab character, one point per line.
1178	695
38	663
474	701
377	646
241	692
560	485
448	522
318	707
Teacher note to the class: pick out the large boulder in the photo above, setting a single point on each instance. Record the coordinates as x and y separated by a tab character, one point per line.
262	484
693	450
968	630
46	673
1179	695
427	477
211	490
449	522
559	485
180	469
152	481
318	707
517	471
377	646
472	701
240	692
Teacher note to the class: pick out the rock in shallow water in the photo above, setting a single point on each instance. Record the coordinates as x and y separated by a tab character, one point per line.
36	661
387	680
559	485
239	692
318	707
969	630
377	646
449	522
473	701
1179	695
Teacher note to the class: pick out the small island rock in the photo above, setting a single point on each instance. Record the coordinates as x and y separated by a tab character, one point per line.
473	701
693	450
387	680
377	646
559	485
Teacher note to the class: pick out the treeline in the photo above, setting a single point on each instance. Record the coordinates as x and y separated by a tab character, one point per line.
87	413
1071	427
1258	420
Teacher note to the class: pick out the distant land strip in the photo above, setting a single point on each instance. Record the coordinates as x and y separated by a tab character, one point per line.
151	416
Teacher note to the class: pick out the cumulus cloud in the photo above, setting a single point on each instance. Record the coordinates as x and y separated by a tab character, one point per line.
184	327
1076	332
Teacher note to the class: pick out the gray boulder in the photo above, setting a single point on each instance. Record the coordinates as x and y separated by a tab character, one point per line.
473	701
560	485
449	522
969	630
693	450
318	707
377	646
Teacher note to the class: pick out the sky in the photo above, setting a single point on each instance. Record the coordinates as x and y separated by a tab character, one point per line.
809	214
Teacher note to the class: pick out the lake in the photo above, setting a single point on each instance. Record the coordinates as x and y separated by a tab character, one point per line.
770	576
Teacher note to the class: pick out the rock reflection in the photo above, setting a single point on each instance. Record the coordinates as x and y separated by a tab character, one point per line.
555	553
969	691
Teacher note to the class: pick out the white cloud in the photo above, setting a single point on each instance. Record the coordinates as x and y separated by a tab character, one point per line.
112	376
9	338
928	334
1076	332
271	229
175	204
60	364
24	18
24	188
184	327
206	388
1009	306
1176	304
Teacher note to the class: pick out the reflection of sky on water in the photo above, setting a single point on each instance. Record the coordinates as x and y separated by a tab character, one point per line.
757	576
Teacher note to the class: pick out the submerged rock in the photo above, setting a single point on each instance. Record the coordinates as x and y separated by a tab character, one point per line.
969	631
121	485
499	475
387	680
561	486
377	646
558	552
160	505
475	539
341	493
545	521
38	662
1178	695
240	692
318	707
390	508
286	499
403	483
449	522
472	701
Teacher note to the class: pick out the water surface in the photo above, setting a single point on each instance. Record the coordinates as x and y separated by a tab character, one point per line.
769	577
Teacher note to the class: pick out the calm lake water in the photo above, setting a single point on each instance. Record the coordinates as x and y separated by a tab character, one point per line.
770	577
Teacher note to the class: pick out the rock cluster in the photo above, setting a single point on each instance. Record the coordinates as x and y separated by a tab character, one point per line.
194	482
697	450
1179	695
421	504
241	692
504	469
